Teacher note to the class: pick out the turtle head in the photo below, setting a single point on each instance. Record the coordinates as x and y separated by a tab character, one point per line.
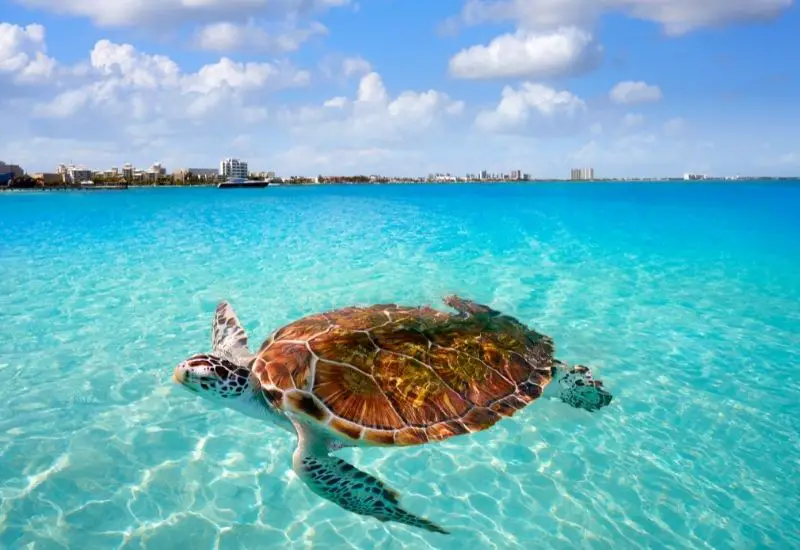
219	380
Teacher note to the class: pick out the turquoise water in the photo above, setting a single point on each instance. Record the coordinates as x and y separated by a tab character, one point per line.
684	299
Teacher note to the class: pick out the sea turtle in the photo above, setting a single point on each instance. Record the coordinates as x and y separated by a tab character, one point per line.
383	375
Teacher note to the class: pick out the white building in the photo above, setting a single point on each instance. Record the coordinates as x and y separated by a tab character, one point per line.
157	169
690	176
74	174
233	168
584	174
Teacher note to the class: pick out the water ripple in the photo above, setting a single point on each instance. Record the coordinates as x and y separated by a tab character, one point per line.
694	327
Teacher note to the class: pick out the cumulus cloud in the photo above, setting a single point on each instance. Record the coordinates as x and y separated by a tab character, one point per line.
635	92
307	160
518	106
123	80
226	36
675	16
374	114
23	53
129	13
682	16
553	38
567	50
355	66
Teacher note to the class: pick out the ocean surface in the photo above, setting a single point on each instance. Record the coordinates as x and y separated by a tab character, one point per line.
684	298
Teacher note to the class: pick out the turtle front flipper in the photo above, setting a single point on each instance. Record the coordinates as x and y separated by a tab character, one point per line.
228	337
342	483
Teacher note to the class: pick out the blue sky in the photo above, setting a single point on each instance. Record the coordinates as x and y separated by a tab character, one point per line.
629	87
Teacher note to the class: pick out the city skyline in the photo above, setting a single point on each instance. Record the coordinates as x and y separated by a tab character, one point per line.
338	87
235	168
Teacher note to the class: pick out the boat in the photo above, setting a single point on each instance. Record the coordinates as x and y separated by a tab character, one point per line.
232	183
91	185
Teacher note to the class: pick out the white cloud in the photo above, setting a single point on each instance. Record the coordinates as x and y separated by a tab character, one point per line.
682	16
129	13
311	161
340	68
674	126
567	50
635	92
226	36
518	105
336	102
122	81
632	120
372	90
634	149
373	115
530	14
23	53
355	66
133	68
243	76
676	16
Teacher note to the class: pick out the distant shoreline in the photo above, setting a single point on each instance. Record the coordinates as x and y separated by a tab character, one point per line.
100	187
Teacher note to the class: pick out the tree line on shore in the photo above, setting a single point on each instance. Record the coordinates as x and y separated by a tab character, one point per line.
27	181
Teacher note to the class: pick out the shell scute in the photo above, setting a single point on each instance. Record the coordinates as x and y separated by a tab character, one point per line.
509	405
420	318
378	437
285	365
358	318
480	418
306	403
418	395
355	396
405	341
513	366
469	376
303	329
530	390
445	430
346	346
411	436
350	429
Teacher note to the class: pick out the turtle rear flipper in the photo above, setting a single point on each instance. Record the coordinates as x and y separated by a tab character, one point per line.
342	483
468	307
577	387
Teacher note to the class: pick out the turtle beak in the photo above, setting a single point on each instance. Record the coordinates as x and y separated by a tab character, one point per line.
179	374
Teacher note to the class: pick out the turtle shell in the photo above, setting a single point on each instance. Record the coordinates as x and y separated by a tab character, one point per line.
395	375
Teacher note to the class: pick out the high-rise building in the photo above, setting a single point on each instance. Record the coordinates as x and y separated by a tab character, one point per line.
582	174
233	168
14	169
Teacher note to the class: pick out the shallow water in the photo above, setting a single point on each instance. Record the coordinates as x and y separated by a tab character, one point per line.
683	298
